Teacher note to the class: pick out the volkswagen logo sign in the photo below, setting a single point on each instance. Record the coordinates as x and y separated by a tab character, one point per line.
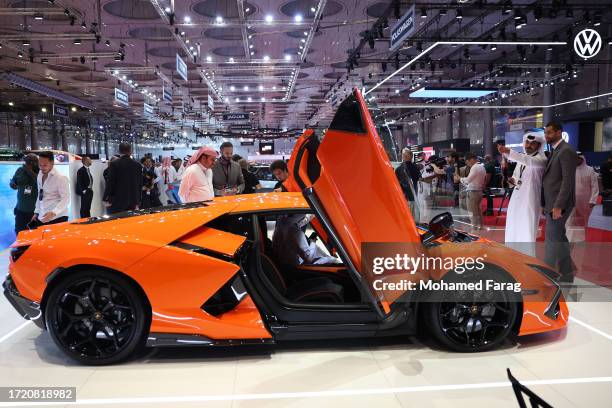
587	43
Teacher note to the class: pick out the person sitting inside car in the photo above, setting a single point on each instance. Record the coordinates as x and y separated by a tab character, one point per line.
290	245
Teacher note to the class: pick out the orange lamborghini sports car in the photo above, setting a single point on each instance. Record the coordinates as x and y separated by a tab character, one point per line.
242	269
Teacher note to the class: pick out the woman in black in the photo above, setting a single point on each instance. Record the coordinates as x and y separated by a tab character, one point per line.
150	193
250	180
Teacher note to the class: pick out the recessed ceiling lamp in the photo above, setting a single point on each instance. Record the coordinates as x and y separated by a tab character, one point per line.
38	16
25	42
287	57
219	20
266	58
269	18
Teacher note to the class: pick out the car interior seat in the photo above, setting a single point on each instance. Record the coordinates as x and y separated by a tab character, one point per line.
313	290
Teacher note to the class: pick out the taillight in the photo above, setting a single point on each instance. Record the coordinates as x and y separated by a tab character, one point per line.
18	251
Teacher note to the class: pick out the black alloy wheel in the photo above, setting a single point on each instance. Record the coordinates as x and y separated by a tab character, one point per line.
472	321
96	317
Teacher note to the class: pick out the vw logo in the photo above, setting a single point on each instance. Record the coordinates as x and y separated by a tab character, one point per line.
587	43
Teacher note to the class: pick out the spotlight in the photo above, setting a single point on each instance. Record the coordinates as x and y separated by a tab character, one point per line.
507	9
459	15
423	13
537	13
82	59
25	42
44	61
77	42
11	103
66	12
38	16
597	18
20	54
83	24
107	43
219	19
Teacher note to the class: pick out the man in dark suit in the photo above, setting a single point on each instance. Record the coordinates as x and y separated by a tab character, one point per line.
124	186
558	200
84	185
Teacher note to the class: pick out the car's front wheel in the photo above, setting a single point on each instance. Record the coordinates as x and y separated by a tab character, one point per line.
471	320
96	317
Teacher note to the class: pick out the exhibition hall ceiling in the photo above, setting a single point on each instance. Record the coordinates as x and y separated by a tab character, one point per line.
286	63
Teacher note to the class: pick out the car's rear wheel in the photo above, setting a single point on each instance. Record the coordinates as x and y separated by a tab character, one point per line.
96	317
471	320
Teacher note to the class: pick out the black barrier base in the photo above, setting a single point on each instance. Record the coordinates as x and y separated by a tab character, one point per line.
520	389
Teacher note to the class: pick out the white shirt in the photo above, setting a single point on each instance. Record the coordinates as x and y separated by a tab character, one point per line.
175	175
475	181
554	146
196	184
55	193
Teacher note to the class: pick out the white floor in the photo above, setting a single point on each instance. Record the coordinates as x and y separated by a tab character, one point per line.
568	369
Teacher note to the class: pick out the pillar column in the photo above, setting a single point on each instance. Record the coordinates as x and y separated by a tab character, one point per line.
449	125
106	147
21	137
549	92
99	145
33	133
422	138
488	131
54	136
461	133
63	138
87	141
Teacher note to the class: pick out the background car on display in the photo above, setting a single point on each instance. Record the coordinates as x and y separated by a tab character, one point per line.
106	286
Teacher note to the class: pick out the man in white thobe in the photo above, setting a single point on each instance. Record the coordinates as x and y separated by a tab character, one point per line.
196	184
523	214
587	191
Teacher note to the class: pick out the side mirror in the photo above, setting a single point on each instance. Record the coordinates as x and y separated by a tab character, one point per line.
439	226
